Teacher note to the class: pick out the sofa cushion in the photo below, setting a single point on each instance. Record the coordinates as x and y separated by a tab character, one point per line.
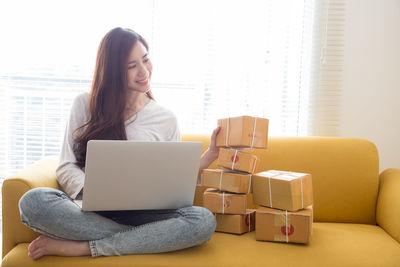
332	244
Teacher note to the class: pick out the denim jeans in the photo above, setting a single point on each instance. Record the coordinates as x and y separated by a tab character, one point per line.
53	213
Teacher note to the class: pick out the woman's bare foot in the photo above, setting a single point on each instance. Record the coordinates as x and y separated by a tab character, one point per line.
44	245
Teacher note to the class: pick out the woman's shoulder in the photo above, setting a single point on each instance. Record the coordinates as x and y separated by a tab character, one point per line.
80	106
166	121
158	109
81	99
81	102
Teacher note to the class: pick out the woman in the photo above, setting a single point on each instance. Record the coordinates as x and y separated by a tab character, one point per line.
120	106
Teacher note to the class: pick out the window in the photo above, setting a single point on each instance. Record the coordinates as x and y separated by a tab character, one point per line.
212	59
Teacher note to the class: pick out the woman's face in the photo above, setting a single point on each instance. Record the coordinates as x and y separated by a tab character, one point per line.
139	69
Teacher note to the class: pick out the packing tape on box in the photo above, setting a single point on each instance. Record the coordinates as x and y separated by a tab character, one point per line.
252	138
227	132
254	132
270	195
286	227
220	179
249	221
290	174
234	159
281	219
301	188
255	164
248	191
223	202
312	218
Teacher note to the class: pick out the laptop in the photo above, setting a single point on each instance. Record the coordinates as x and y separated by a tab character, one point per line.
134	175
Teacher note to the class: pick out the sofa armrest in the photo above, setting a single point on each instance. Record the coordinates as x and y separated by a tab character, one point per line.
388	205
40	174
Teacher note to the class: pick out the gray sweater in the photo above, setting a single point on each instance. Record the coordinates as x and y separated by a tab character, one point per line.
152	123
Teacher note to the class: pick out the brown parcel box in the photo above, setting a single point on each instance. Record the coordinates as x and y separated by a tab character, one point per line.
237	160
224	180
224	202
239	132
235	223
282	190
284	226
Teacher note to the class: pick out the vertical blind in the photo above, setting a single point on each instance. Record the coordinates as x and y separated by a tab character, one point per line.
278	59
327	68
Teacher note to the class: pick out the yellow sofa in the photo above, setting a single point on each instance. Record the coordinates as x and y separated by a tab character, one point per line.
356	213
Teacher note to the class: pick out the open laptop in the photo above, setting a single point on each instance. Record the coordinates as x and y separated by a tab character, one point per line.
134	175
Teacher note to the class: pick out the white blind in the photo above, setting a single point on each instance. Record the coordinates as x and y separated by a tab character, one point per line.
36	107
250	57
212	59
327	78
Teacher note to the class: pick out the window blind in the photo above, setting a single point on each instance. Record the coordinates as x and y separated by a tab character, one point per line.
327	78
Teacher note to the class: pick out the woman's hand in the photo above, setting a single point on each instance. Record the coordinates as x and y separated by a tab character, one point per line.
210	154
213	150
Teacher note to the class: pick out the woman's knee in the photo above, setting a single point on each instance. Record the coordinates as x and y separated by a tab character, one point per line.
206	223
209	222
33	202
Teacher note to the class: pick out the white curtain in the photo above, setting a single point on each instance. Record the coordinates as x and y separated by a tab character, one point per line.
212	59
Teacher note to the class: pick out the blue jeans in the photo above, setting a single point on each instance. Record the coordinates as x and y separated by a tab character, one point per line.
53	213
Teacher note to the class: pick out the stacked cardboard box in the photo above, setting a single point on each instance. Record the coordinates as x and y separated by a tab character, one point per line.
235	159
286	214
235	223
285	198
229	186
284	226
243	131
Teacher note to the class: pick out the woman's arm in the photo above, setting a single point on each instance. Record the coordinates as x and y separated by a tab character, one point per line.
209	155
70	176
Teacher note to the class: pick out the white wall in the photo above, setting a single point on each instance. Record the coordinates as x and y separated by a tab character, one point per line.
371	88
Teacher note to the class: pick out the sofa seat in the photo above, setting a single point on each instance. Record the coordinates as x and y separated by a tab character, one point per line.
369	245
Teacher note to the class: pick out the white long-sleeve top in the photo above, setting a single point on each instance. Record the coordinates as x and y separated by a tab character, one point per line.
152	123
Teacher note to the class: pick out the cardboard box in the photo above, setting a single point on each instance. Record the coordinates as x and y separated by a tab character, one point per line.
282	190
237	160
225	180
243	131
235	223
283	226
198	195
224	202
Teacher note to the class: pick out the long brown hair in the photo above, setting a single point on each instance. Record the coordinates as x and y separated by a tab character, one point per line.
107	97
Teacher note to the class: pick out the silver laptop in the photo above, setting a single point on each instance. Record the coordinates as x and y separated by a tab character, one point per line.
132	175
